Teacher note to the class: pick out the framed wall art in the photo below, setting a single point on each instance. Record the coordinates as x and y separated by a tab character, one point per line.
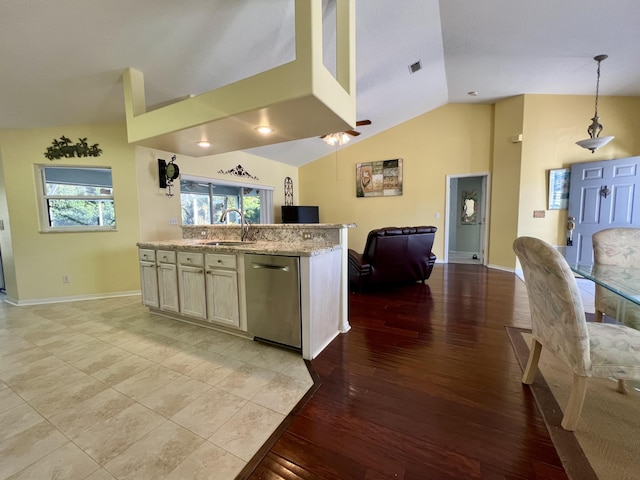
379	179
559	189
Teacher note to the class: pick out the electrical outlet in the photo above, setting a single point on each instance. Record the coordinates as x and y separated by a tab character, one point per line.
173	221
65	279
306	235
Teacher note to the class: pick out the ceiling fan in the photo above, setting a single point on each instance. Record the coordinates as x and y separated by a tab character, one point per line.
340	138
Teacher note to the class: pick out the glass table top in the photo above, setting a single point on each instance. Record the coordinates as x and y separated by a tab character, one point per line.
625	281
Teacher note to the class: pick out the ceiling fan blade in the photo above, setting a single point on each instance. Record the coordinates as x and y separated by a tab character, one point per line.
359	123
353	133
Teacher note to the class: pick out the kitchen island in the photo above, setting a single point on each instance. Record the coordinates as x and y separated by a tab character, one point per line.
202	278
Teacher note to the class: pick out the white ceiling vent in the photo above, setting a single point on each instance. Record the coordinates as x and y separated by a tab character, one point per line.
414	67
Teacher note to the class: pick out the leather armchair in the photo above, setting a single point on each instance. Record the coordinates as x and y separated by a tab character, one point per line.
393	255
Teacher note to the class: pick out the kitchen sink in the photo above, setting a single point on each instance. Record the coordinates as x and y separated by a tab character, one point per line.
228	243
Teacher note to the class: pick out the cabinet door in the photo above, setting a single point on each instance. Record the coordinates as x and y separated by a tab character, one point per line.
149	283
222	297
192	292
168	287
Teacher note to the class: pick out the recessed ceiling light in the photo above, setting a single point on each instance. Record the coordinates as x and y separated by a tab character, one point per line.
203	144
263	129
473	93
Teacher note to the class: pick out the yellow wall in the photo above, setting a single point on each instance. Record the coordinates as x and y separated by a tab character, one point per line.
156	208
95	262
453	139
552	124
459	139
505	181
100	263
6	247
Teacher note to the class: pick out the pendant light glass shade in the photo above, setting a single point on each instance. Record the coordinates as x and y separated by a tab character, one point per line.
339	138
595	141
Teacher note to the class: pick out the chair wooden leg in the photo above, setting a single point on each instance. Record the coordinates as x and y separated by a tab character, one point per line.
622	387
574	406
597	316
532	364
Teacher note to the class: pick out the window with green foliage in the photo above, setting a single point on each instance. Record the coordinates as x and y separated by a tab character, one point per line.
76	198
203	202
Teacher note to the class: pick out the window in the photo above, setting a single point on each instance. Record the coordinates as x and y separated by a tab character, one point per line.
204	200
76	198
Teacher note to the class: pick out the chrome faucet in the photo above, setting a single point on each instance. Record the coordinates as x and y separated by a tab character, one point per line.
244	223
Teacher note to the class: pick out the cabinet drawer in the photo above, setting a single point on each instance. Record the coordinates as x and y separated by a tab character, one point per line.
221	261
147	255
166	256
190	258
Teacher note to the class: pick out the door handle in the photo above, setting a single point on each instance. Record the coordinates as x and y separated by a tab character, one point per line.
571	224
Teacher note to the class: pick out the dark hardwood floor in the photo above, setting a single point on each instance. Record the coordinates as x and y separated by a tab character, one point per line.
425	386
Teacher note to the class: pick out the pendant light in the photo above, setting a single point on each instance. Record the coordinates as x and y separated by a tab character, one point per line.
595	141
339	138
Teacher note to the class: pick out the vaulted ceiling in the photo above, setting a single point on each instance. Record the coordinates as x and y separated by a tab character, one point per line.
61	61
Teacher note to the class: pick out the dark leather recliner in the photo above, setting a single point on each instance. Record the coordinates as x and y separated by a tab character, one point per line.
393	255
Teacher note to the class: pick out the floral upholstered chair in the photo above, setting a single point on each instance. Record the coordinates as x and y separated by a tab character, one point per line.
619	247
558	324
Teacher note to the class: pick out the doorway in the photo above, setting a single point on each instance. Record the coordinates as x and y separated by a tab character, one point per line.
466	229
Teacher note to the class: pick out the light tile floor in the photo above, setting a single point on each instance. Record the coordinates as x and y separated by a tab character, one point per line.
102	389
587	292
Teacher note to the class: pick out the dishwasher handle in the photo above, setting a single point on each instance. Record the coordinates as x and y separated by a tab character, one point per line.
270	267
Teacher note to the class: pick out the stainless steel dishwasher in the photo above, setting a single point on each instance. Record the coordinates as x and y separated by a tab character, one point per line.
273	298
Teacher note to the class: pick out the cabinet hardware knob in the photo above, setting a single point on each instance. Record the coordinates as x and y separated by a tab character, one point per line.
219	261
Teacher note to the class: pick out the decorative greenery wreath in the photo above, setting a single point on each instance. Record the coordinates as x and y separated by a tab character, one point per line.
63	148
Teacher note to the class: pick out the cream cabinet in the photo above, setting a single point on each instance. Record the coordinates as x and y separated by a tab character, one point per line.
148	277
222	290
202	286
191	285
168	280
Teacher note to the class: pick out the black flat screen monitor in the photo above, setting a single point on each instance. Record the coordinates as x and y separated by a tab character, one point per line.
300	214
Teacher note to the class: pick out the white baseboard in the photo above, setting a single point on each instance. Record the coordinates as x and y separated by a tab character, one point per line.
500	267
74	298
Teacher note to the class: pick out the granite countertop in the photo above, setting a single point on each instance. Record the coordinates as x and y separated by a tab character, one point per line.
305	249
